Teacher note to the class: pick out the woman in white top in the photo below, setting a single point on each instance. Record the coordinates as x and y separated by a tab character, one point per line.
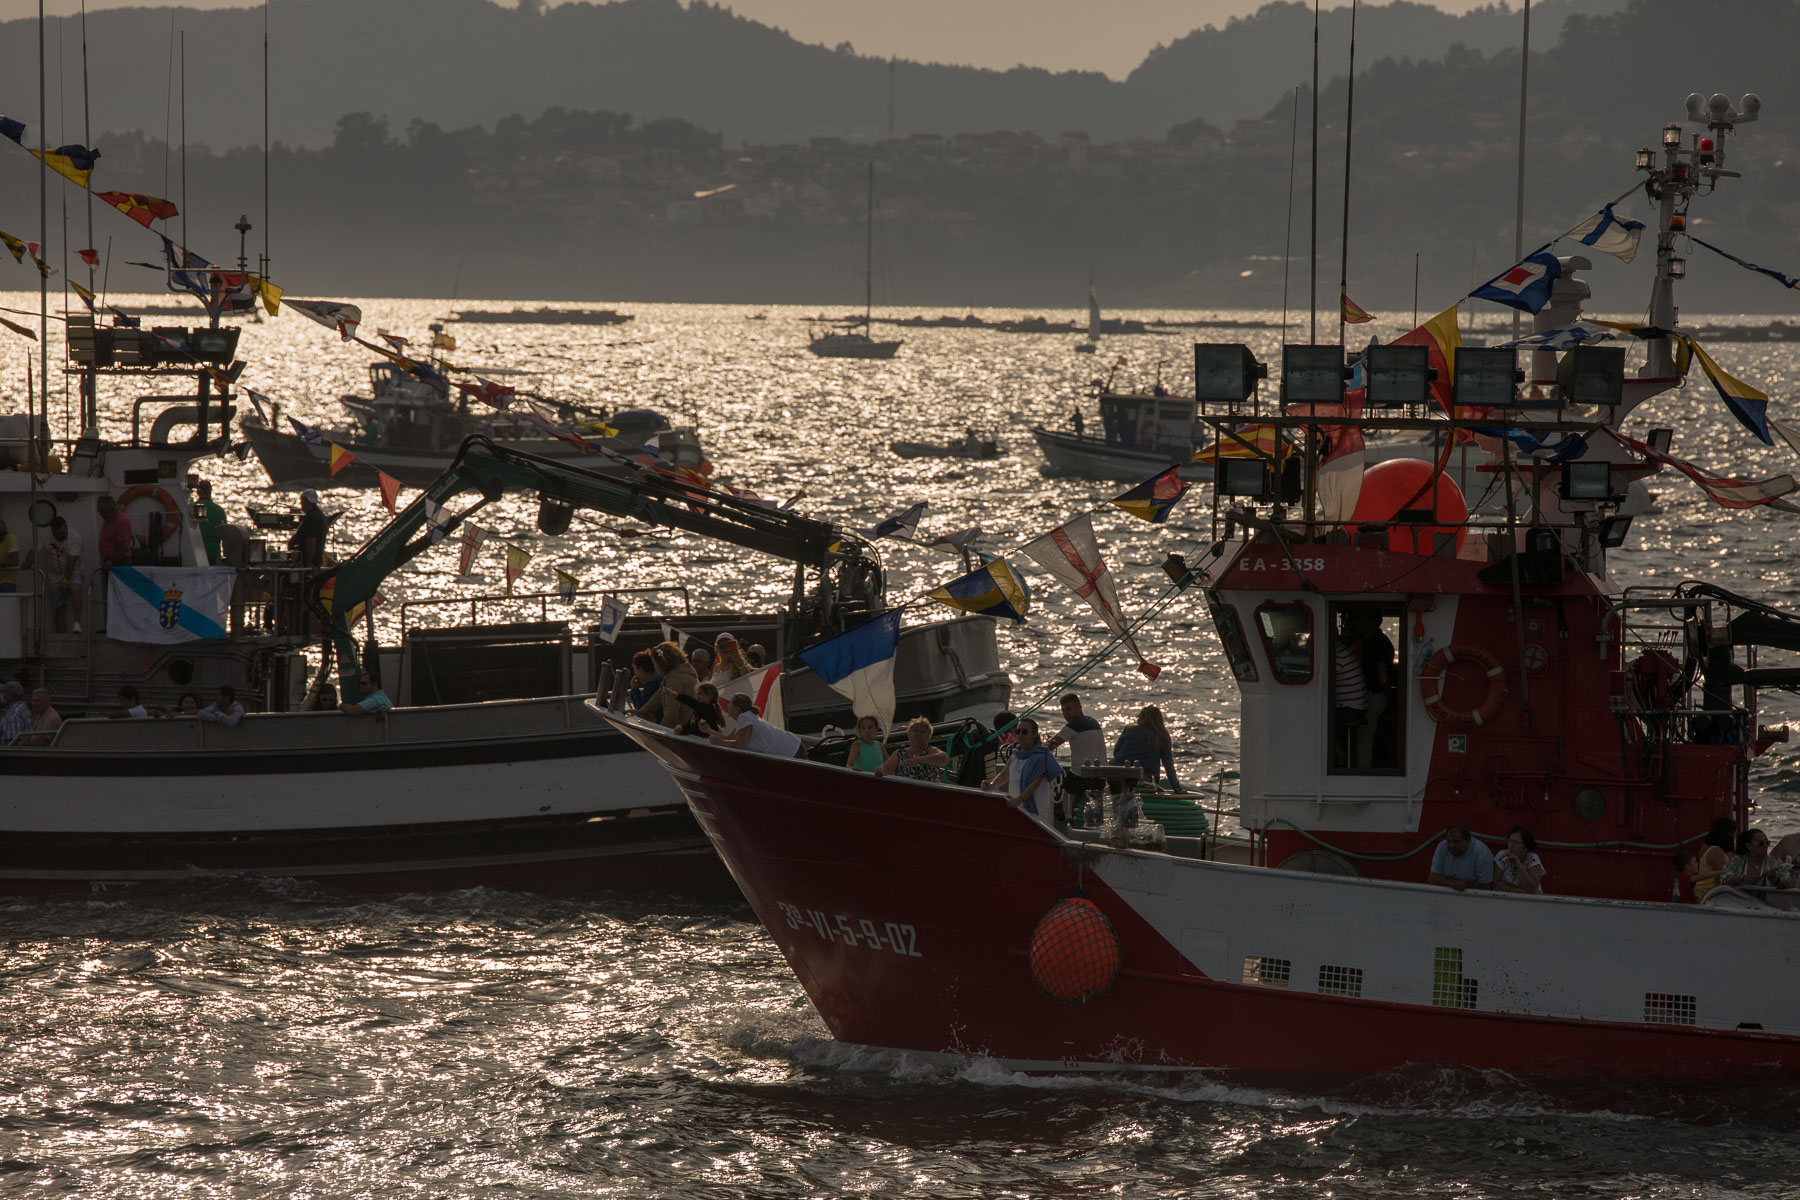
1518	868
729	664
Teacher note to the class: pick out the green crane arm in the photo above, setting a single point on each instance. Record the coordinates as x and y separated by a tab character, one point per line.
627	490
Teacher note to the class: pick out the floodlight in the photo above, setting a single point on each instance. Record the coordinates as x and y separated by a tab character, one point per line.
1312	375
1225	372
1396	376
1243	477
1613	531
1485	377
1659	440
1592	375
1588	481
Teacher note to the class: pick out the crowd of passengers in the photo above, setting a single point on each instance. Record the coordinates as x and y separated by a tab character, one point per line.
34	721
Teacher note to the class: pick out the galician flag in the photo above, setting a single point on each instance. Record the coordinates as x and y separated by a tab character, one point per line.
859	663
160	605
1071	552
902	524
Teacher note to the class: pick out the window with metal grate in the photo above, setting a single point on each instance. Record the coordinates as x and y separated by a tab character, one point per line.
1340	981
1267	972
1448	987
1667	1008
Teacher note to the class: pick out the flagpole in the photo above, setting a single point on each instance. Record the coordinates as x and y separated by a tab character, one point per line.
184	206
1312	271
1287	249
1349	120
43	240
265	254
1519	205
87	135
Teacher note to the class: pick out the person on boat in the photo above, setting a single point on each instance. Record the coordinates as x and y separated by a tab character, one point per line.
1375	654
114	542
9	560
918	759
308	542
16	717
1029	776
208	516
324	699
1087	744
1753	866
756	656
187	706
45	721
1687	865
1147	746
1076	421
1518	867
129	705
1462	863
730	663
646	681
754	734
702	659
1715	852
1349	691
225	709
62	563
865	753
1006	734
374	699
678	679
705	715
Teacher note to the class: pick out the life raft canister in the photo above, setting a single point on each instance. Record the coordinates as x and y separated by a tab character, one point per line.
1431	686
1074	952
171	511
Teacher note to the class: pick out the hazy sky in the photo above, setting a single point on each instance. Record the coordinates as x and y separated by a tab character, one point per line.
1095	35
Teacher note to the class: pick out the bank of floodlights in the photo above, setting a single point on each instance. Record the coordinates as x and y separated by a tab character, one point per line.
1397	376
1225	372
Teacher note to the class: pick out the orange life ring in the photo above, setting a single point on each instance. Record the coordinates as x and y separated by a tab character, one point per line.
172	513
1431	686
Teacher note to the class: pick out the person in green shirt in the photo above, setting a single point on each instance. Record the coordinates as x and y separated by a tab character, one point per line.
209	516
9	559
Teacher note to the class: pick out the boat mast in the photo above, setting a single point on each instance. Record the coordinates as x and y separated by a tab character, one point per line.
1519	204
43	244
263	268
1349	118
869	256
87	136
1312	271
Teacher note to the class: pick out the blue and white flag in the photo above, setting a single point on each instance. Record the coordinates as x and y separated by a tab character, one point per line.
901	524
1579	334
859	663
1784	280
1526	286
1608	232
1535	442
437	525
612	617
160	605
307	433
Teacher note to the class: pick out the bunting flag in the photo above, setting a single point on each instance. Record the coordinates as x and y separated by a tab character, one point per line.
15	245
392	339
12	129
268	293
185	270
472	537
90	257
257	401
859	664
442	341
19	329
1071	553
307	433
1747	404
139	207
125	319
1579	334
1152	499
1725	492
1440	338
340	458
73	162
1609	233
545	417
437	525
672	634
565	589
1252	441
1788	433
1339	474
763	686
1526	285
991	591
332	314
612	611
516	559
87	297
1354	313
902	524
957	539
1777	276
390	490
487	391
1532	443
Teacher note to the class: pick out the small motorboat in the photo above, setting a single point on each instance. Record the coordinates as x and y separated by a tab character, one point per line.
969	446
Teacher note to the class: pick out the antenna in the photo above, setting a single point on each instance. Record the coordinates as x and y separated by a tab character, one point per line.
1349	121
87	135
1519	205
184	211
265	254
1312	271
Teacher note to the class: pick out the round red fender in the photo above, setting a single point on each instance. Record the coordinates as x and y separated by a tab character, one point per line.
1074	952
1431	686
171	511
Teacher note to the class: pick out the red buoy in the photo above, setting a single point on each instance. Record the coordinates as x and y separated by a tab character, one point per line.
1407	484
1074	952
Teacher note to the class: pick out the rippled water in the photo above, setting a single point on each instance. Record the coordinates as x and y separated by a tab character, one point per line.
241	1039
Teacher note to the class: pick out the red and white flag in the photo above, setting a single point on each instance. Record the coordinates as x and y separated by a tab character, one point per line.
763	686
390	490
90	257
472	537
1071	553
1723	491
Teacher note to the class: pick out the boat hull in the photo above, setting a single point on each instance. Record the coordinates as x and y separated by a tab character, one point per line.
906	910
838	347
1095	458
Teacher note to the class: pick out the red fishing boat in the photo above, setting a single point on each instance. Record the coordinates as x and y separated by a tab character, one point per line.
1519	686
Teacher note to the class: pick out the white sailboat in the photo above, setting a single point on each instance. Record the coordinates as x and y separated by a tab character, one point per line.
854	341
1093	331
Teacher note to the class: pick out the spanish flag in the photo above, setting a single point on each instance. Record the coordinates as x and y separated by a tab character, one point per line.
139	207
1354	313
73	162
1152	499
340	458
1252	441
1440	338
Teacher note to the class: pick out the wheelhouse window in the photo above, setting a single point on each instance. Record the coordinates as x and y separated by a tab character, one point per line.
1368	720
1231	636
1287	634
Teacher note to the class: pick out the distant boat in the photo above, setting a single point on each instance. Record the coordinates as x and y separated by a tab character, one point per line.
543	316
1093	342
853	341
969	446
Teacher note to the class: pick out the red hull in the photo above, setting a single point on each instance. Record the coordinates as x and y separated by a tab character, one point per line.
906	910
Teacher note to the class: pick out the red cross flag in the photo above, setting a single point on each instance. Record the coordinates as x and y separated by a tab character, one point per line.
1071	553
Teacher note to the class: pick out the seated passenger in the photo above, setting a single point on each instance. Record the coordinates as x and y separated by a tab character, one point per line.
756	656
323	699
1029	775
1687	865
1715	852
1462	863
225	709
678	679
755	734
705	717
374	699
17	718
918	759
1754	866
865	753
1147	746
187	706
646	681
129	705
45	721
1518	868
728	663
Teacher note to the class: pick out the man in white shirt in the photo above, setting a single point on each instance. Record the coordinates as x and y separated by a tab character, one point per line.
1027	776
1087	744
62	574
225	710
129	705
755	734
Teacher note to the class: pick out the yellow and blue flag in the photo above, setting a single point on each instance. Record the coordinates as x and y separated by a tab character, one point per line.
992	591
1152	499
73	162
1747	404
